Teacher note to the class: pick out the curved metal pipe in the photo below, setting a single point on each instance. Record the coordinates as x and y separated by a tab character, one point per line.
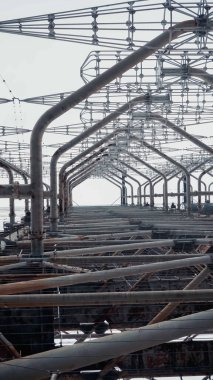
165	190
209	189
128	183
74	177
139	187
188	200
54	212
190	171
114	182
72	100
199	185
169	124
62	173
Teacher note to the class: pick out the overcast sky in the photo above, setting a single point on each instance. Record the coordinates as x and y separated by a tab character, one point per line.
35	66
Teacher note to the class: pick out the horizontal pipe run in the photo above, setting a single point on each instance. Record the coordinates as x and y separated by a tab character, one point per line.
65	268
104	237
74	243
119	234
127	247
103	275
78	260
106	298
113	248
18	191
139	259
7	267
70	358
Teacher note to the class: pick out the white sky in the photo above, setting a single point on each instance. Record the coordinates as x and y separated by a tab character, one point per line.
35	66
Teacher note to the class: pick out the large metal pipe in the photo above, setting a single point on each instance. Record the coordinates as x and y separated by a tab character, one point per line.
87	260
73	142
120	247
185	134
155	179
11	200
63	174
128	175
63	186
139	185
172	305
114	182
178	130
19	265
70	358
86	170
28	286
19	191
165	189
128	183
73	99
69	199
174	162
107	298
199	185
121	260
190	172
131	246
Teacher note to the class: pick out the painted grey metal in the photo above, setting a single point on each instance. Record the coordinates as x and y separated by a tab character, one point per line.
5	268
139	185
72	100
152	243
209	190
63	174
146	184
190	172
11	200
19	191
172	305
107	298
190	71
165	191
174	162
22	173
128	183
91	277
36	367
126	259
53	218
114	182
182	132
199	185
128	175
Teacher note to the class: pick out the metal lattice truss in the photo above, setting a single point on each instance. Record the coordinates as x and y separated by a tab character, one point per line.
7	131
129	22
176	81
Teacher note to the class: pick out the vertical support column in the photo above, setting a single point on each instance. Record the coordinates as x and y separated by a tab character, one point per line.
123	196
